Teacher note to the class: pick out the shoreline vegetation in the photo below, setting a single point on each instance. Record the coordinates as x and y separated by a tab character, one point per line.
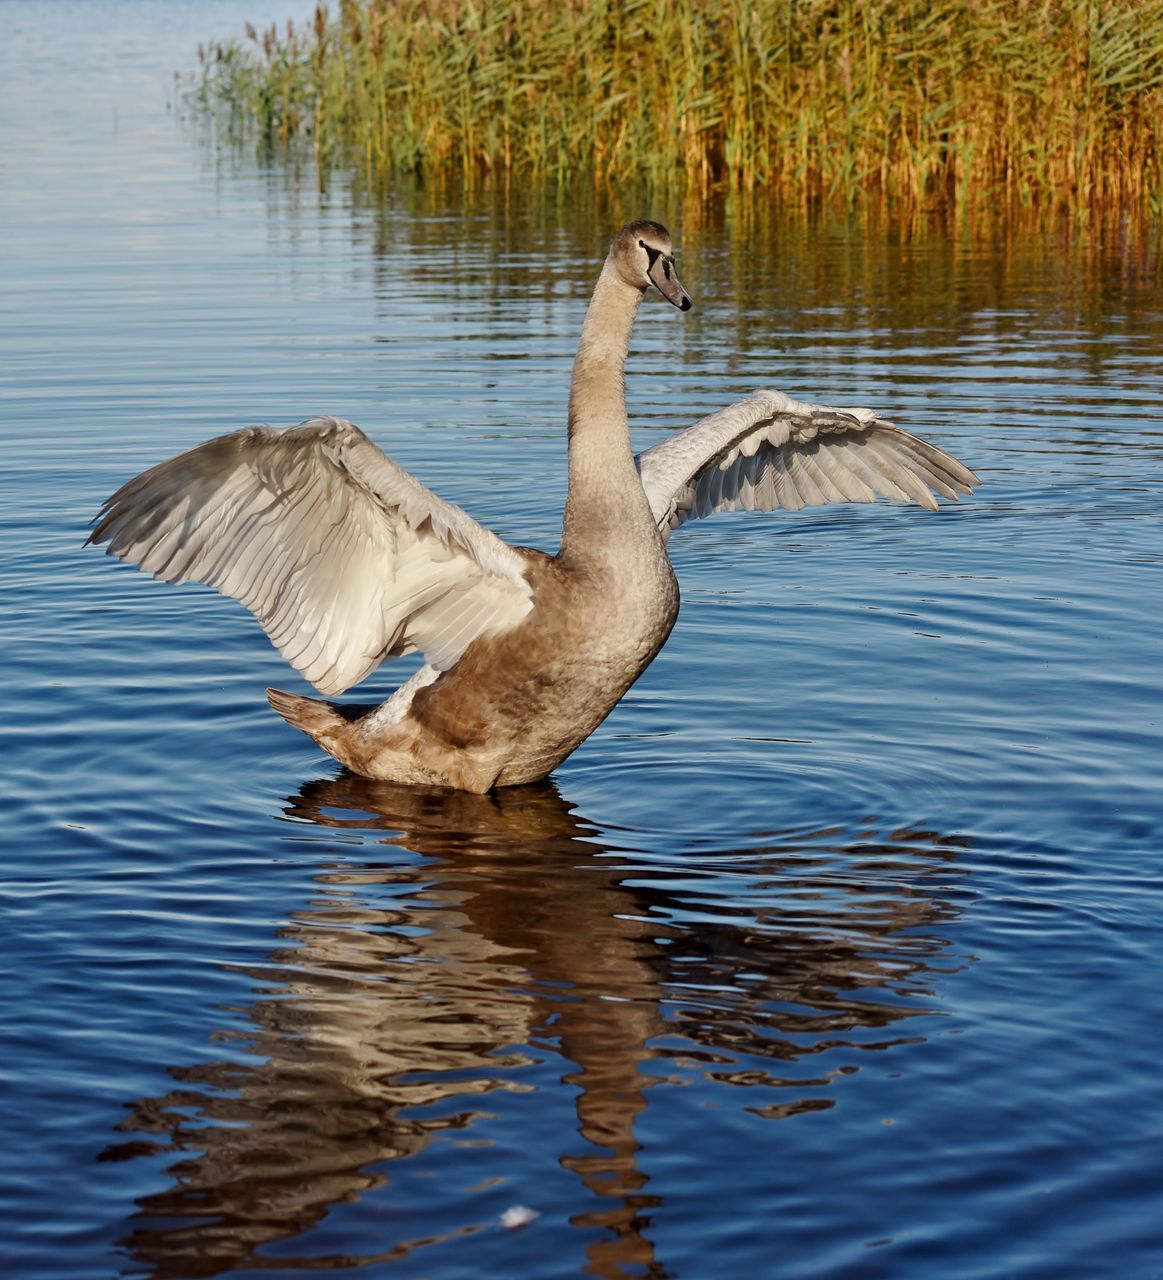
921	106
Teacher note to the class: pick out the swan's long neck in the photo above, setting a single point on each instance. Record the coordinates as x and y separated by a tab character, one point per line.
605	494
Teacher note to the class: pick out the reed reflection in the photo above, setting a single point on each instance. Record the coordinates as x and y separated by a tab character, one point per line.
490	936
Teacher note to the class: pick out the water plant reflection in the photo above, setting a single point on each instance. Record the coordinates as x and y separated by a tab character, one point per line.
493	938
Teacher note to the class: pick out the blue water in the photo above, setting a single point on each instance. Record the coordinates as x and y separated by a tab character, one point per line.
834	953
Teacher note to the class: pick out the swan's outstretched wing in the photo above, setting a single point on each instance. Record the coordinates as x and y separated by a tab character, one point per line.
771	451
342	556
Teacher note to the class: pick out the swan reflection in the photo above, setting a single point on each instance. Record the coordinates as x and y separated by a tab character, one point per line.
463	950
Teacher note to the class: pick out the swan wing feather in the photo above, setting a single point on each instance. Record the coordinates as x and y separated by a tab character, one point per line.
342	556
771	451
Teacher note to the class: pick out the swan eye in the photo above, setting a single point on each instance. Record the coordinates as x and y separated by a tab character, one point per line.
652	254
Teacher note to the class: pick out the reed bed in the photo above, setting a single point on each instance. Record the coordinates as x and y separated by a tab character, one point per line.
948	104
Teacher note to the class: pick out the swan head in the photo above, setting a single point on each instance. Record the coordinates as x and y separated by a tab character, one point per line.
644	256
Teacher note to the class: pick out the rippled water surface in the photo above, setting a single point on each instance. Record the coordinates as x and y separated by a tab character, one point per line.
835	952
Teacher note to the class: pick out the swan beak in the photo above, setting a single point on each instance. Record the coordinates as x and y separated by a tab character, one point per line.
665	280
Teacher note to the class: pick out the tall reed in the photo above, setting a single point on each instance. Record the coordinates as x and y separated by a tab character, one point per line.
922	103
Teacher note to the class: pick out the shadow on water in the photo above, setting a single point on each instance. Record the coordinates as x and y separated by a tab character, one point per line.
494	936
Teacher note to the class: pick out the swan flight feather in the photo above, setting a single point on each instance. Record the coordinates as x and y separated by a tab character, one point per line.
342	556
771	451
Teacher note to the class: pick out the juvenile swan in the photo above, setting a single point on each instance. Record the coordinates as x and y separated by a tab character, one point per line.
346	560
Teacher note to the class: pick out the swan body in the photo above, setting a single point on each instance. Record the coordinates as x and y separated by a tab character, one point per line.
347	560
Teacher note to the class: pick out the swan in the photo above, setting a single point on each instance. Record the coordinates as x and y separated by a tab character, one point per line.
346	559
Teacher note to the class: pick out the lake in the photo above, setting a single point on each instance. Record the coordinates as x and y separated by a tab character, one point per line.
835	952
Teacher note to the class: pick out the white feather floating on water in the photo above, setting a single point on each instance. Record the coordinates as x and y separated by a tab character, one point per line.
518	1216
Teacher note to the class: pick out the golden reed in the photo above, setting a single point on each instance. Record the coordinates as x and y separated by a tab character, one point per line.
1054	105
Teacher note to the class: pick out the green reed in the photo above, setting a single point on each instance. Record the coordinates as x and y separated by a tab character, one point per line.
951	104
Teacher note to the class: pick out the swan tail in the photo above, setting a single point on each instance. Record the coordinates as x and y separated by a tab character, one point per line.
318	719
